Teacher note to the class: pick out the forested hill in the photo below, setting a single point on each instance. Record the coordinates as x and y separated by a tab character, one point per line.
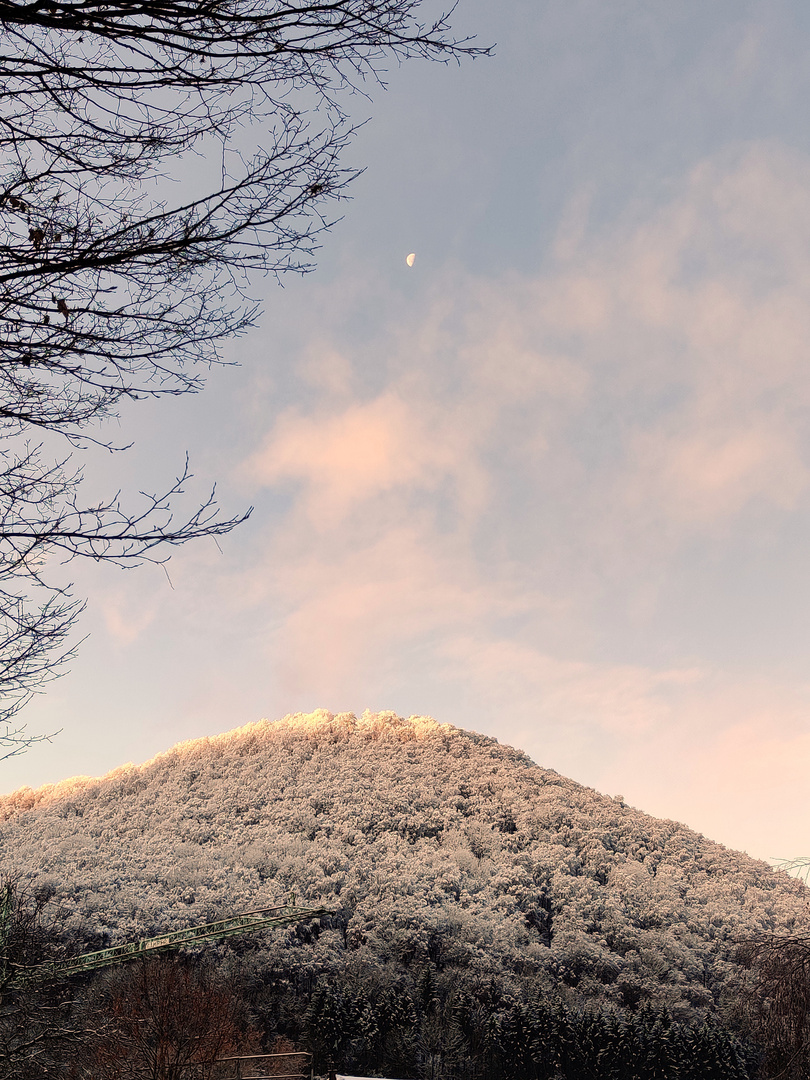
434	846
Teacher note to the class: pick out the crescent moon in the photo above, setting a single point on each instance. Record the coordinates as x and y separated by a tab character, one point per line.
411	259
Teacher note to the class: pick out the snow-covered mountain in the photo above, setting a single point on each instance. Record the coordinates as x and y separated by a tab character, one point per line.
431	843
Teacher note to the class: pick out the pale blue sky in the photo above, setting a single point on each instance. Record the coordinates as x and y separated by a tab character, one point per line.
553	482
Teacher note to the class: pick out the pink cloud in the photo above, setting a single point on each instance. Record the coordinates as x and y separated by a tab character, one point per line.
350	614
127	614
365	450
619	699
707	474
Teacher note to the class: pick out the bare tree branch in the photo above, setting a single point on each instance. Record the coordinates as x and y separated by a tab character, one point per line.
776	1001
154	158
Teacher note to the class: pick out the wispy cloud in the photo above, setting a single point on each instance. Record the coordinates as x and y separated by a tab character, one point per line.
127	613
342	459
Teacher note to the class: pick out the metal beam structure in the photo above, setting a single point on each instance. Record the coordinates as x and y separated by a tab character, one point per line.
262	919
254	1060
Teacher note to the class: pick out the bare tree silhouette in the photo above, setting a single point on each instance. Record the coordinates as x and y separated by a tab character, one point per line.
776	1001
154	157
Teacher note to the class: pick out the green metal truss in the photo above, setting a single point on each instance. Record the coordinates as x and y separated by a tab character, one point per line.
262	919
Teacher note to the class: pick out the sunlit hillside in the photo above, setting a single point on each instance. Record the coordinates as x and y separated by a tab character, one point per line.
432	845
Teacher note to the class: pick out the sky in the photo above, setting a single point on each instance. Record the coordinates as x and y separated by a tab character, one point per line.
552	482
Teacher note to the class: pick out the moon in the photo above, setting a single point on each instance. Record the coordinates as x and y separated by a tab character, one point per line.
411	259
